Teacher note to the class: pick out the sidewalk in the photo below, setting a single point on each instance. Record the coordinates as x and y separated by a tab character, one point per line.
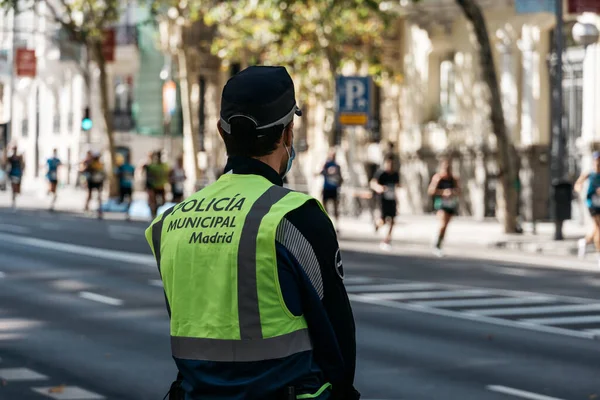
69	200
464	232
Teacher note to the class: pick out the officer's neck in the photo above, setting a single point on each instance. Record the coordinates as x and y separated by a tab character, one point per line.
273	160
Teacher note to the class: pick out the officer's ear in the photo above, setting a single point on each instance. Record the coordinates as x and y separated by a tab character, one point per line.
288	134
220	129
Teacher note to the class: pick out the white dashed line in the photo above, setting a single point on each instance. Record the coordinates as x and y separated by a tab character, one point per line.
583	319
440	294
68	393
503	312
50	226
2	274
492	301
20	374
398	287
100	298
519	393
156	282
357	280
471	317
113	255
14	228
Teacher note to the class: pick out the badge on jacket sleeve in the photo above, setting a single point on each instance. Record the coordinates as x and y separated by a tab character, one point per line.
339	268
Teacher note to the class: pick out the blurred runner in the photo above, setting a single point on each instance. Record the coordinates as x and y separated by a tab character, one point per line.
16	166
332	182
444	188
52	175
125	174
385	182
144	168
158	177
593	204
83	168
95	181
176	180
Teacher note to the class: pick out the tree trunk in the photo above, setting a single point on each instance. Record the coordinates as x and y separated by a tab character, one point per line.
331	130
107	116
506	156
190	137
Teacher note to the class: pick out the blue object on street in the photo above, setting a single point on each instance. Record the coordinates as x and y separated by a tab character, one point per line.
113	205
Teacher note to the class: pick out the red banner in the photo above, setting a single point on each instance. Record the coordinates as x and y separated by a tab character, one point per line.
26	63
108	45
581	6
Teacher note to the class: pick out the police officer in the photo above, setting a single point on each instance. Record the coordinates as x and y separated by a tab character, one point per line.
252	271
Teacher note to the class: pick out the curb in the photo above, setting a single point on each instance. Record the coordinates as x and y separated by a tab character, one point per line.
538	248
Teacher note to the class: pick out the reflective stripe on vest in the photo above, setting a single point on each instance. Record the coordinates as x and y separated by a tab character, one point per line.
251	346
240	350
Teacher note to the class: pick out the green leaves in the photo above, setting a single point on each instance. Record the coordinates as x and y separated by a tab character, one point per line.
313	38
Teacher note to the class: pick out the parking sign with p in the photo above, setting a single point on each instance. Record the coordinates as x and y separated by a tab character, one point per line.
353	100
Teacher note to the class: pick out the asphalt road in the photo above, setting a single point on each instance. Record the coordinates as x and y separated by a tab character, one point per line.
82	317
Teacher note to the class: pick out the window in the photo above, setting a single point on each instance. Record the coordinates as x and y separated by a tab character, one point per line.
70	122
447	91
123	93
56	123
24	127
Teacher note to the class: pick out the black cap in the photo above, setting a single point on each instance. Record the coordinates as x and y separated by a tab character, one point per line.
264	95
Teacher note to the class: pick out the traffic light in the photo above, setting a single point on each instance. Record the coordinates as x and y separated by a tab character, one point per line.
86	122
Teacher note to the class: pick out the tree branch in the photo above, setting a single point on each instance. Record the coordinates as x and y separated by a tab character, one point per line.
69	26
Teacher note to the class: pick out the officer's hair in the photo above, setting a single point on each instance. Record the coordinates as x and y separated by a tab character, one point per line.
245	140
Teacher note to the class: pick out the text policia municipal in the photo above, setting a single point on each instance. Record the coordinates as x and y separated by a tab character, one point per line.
225	204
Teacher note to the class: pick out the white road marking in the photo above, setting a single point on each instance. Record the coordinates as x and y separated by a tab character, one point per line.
391	287
100	298
117	232
15	324
512	271
14	228
493	312
50	226
2	274
357	280
427	295
156	282
582	319
519	393
472	317
68	393
20	374
106	254
493	301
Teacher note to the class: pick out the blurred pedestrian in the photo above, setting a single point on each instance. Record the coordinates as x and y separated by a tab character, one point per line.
332	183
385	183
445	189
125	173
592	200
158	177
16	168
53	163
96	176
177	180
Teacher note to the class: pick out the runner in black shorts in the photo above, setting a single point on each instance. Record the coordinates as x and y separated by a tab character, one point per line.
385	183
444	188
332	182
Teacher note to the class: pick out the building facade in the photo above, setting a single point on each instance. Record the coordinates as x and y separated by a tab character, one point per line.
444	108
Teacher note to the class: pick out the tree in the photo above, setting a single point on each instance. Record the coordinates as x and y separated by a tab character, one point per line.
85	22
506	156
176	18
314	38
